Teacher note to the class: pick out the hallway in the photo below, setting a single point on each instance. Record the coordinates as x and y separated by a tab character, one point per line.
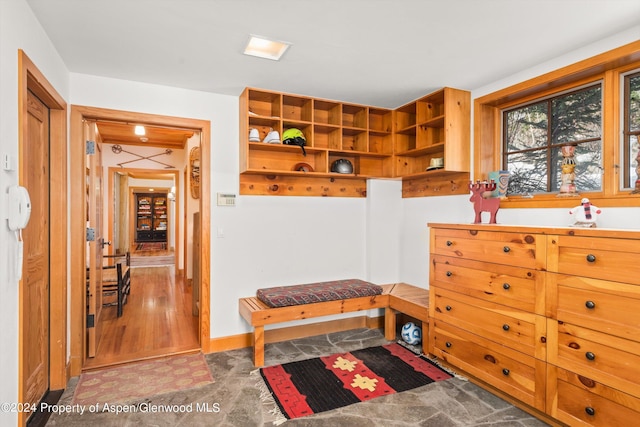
157	318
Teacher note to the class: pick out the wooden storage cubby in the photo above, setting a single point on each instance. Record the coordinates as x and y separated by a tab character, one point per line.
380	143
433	126
333	130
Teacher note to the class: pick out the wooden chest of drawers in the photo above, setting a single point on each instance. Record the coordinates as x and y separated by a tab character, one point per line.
549	316
487	307
594	325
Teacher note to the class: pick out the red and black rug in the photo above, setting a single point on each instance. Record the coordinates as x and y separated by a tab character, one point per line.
321	384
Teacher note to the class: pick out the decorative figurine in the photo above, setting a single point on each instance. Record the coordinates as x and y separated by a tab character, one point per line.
502	179
585	214
637	185
568	176
480	204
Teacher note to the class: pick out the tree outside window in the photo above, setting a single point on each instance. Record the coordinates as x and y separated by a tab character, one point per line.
631	128
534	133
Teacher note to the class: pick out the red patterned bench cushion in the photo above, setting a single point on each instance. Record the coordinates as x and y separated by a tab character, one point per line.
282	296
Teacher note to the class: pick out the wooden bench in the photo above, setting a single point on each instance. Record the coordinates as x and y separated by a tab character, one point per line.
406	299
412	301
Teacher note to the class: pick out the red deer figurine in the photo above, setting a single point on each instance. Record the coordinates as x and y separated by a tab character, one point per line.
480	204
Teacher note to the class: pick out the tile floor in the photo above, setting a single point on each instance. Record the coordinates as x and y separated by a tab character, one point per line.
233	400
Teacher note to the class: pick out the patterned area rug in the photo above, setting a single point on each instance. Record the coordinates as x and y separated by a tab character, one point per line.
151	246
143	379
321	384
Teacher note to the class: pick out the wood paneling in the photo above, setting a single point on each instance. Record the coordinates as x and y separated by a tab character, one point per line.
155	136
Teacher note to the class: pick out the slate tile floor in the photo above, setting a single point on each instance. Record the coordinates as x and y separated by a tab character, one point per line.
233	400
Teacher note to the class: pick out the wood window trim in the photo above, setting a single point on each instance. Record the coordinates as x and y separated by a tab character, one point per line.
606	67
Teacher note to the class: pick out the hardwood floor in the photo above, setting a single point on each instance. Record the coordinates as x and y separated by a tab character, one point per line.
157	319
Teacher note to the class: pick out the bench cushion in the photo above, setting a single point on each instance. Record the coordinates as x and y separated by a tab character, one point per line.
283	296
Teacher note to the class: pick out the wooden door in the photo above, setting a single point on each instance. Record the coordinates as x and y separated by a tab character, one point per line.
35	276
95	241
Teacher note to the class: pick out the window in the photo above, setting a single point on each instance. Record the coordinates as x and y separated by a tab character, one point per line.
631	131
592	105
533	135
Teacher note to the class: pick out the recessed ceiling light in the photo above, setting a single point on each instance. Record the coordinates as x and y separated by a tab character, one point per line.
265	48
139	130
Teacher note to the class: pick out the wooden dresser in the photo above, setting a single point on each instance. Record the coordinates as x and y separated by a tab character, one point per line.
548	316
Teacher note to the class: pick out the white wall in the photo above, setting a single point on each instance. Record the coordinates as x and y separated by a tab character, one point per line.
18	30
419	211
267	241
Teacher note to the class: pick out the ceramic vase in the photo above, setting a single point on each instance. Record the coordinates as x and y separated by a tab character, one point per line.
501	178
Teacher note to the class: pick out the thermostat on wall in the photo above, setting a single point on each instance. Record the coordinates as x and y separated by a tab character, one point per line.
225	199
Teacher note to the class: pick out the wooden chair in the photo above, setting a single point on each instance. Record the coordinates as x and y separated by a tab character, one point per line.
116	280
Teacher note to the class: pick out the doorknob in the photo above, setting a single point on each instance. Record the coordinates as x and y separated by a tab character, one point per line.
107	243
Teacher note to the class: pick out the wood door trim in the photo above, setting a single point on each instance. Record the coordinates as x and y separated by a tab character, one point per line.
77	161
31	79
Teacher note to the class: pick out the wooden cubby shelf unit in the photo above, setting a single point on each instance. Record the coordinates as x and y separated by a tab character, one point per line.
434	126
379	143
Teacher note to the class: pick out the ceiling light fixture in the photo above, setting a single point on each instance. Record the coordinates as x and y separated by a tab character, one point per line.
265	48
139	130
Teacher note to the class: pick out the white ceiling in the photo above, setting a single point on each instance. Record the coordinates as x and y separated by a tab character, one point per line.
375	52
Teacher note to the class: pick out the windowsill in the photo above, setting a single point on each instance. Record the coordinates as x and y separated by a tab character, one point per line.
625	199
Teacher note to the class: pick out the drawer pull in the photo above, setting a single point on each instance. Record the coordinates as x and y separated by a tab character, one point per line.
449	274
506	286
505	327
448	308
590	304
506	249
591	258
589	355
590	411
505	371
449	243
448	344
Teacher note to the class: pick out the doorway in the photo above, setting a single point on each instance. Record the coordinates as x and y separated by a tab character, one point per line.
123	184
78	115
33	84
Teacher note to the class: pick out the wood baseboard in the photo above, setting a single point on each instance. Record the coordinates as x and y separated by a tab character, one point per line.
235	342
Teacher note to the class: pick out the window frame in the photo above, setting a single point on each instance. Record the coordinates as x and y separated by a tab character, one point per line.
608	68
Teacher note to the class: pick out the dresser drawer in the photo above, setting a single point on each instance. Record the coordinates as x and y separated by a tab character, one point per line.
578	400
518	249
508	370
609	307
520	330
609	360
601	258
521	288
